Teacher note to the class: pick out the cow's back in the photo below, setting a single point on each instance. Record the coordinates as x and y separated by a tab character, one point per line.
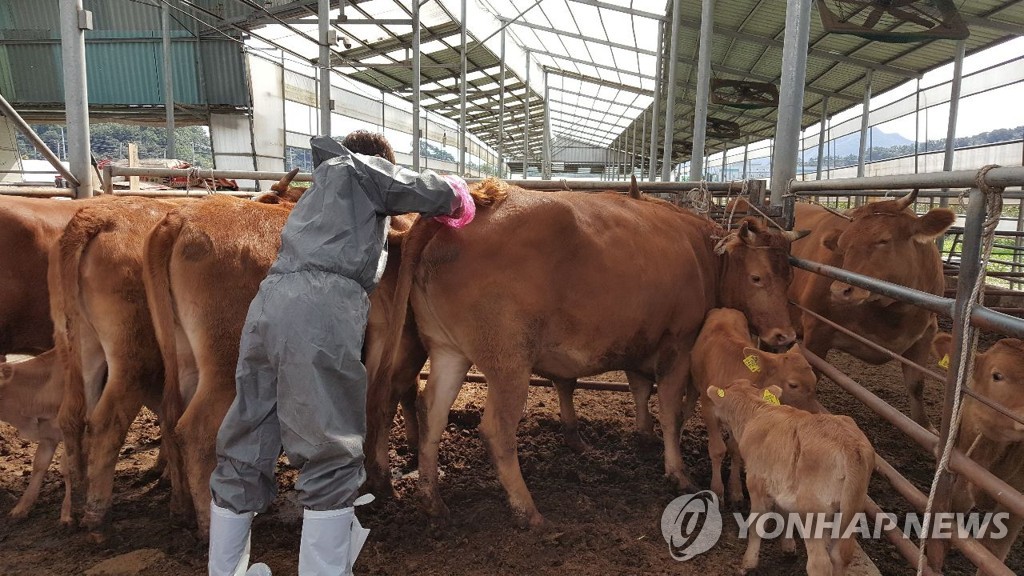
571	283
29	227
222	253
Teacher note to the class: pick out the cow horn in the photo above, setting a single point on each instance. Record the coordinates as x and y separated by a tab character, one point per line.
794	235
634	190
285	181
905	201
746	234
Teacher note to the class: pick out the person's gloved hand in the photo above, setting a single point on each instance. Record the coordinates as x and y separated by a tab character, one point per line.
467	211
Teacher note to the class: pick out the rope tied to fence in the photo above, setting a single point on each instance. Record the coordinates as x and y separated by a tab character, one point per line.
700	199
193	172
965	368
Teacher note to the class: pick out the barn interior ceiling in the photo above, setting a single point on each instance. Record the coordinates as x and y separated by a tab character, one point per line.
600	57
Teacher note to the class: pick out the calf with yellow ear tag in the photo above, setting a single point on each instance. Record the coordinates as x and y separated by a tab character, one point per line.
797	462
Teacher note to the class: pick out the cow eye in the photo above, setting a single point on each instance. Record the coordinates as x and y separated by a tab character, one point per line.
883	242
755	278
997	376
792	385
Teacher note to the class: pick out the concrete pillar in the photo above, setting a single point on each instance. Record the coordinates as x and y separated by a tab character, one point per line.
671	91
73	23
700	110
791	97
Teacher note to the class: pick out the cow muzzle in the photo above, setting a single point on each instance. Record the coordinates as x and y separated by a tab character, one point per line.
779	337
843	293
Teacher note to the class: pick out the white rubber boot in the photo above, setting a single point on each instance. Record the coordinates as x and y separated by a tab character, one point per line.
331	541
229	544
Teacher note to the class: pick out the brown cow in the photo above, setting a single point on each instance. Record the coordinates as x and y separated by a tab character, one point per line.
724	352
30	395
989	438
885	240
29	227
798	462
101	310
567	284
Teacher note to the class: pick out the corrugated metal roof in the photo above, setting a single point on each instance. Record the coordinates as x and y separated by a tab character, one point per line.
124	57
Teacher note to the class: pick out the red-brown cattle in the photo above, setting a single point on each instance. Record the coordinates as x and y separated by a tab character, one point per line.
724	352
568	284
29	227
111	360
885	240
30	395
990	438
798	462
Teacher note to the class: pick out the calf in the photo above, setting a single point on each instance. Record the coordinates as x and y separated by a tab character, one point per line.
30	394
990	438
724	352
799	462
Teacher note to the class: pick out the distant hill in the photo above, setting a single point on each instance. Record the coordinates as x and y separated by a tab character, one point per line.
850	144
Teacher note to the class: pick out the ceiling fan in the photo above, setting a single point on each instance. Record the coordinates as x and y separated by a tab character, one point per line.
744	93
893	20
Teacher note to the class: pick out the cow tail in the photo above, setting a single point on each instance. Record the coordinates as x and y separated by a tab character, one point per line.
156	261
413	244
67	319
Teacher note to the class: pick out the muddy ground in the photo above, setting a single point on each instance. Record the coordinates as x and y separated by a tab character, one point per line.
604	507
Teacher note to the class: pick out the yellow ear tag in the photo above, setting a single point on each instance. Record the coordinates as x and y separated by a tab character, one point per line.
770	398
944	363
721	393
751	363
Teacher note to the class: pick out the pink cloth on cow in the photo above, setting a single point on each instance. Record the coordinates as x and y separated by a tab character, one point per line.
468	211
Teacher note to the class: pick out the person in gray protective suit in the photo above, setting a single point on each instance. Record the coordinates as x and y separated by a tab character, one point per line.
300	381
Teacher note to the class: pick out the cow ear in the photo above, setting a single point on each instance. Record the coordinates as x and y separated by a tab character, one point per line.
715	394
831	240
775	390
942	345
6	372
932	224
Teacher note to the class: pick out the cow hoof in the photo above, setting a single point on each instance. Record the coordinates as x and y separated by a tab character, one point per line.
18	513
576	444
96	537
789	545
67	522
379	487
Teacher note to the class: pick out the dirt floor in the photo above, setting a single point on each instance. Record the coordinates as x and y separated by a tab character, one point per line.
604	507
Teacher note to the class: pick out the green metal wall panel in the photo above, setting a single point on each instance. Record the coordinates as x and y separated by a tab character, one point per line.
36	72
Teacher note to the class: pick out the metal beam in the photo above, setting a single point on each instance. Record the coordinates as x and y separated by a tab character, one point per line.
462	94
628	119
564	34
865	126
545	170
670	103
325	67
601	135
501	108
821	135
526	124
165	36
592	63
630	105
76	94
623	9
597	81
416	69
700	112
791	97
992	24
657	102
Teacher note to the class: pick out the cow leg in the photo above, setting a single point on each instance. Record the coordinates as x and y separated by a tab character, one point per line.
716	450
447	373
671	388
108	426
381	404
40	462
1000	547
196	433
760	503
914	378
65	507
411	417
818	561
735	467
641	386
506	400
567	414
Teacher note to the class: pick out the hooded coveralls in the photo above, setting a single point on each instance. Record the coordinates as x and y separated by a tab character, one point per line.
300	380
